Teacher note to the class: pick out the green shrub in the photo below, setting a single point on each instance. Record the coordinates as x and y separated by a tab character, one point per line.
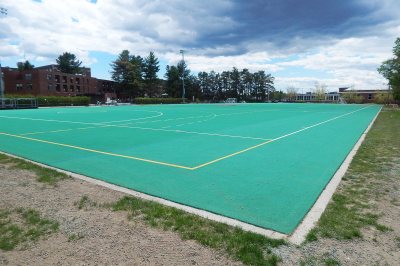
352	97
383	98
63	101
19	96
157	100
56	100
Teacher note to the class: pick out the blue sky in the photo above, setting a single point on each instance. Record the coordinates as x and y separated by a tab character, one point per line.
301	43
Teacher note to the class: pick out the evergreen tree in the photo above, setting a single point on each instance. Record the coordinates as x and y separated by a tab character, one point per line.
173	81
202	78
235	87
136	75
150	69
68	63
25	65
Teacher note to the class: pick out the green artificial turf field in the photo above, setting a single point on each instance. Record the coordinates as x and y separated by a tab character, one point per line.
263	164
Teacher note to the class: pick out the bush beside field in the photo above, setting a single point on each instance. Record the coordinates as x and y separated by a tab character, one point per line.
63	101
157	100
56	100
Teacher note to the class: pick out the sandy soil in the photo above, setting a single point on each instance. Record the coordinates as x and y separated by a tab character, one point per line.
108	238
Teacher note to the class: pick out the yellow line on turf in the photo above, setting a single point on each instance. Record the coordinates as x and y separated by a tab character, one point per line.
230	155
97	151
275	139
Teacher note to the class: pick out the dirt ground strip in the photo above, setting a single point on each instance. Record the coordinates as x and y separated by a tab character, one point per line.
105	237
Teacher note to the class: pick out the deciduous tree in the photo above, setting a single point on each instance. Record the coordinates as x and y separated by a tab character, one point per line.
127	73
390	69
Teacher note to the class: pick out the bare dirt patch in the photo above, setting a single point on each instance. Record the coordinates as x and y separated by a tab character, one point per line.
91	235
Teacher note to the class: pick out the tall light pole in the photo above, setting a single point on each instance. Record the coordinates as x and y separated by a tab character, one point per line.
3	11
183	74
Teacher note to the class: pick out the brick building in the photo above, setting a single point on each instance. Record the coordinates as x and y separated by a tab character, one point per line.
48	80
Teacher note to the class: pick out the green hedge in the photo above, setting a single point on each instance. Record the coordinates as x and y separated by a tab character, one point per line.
157	100
63	101
19	96
56	100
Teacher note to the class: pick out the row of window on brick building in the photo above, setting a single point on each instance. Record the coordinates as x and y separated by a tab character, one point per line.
61	83
58	83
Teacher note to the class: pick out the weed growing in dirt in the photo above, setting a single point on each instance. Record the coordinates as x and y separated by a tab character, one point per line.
398	241
249	248
23	225
44	175
74	237
327	260
85	202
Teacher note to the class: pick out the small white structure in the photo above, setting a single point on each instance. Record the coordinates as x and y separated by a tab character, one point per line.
231	100
111	102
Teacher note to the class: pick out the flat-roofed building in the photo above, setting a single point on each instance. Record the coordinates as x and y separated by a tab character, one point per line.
313	97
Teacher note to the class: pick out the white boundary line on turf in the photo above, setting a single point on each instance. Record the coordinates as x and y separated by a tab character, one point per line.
169	119
313	215
83	123
199	212
135	119
102	125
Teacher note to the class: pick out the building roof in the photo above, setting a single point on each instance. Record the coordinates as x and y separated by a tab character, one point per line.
348	90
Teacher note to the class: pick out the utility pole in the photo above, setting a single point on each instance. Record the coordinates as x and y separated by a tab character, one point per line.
3	11
183	75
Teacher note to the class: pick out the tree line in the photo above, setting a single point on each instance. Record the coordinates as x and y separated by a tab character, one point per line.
137	77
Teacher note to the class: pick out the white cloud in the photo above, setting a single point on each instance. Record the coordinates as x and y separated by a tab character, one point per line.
9	50
351	61
252	61
53	26
42	31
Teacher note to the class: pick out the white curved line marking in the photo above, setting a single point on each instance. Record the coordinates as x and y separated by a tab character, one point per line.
135	119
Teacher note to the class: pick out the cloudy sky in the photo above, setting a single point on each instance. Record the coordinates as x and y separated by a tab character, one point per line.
332	42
